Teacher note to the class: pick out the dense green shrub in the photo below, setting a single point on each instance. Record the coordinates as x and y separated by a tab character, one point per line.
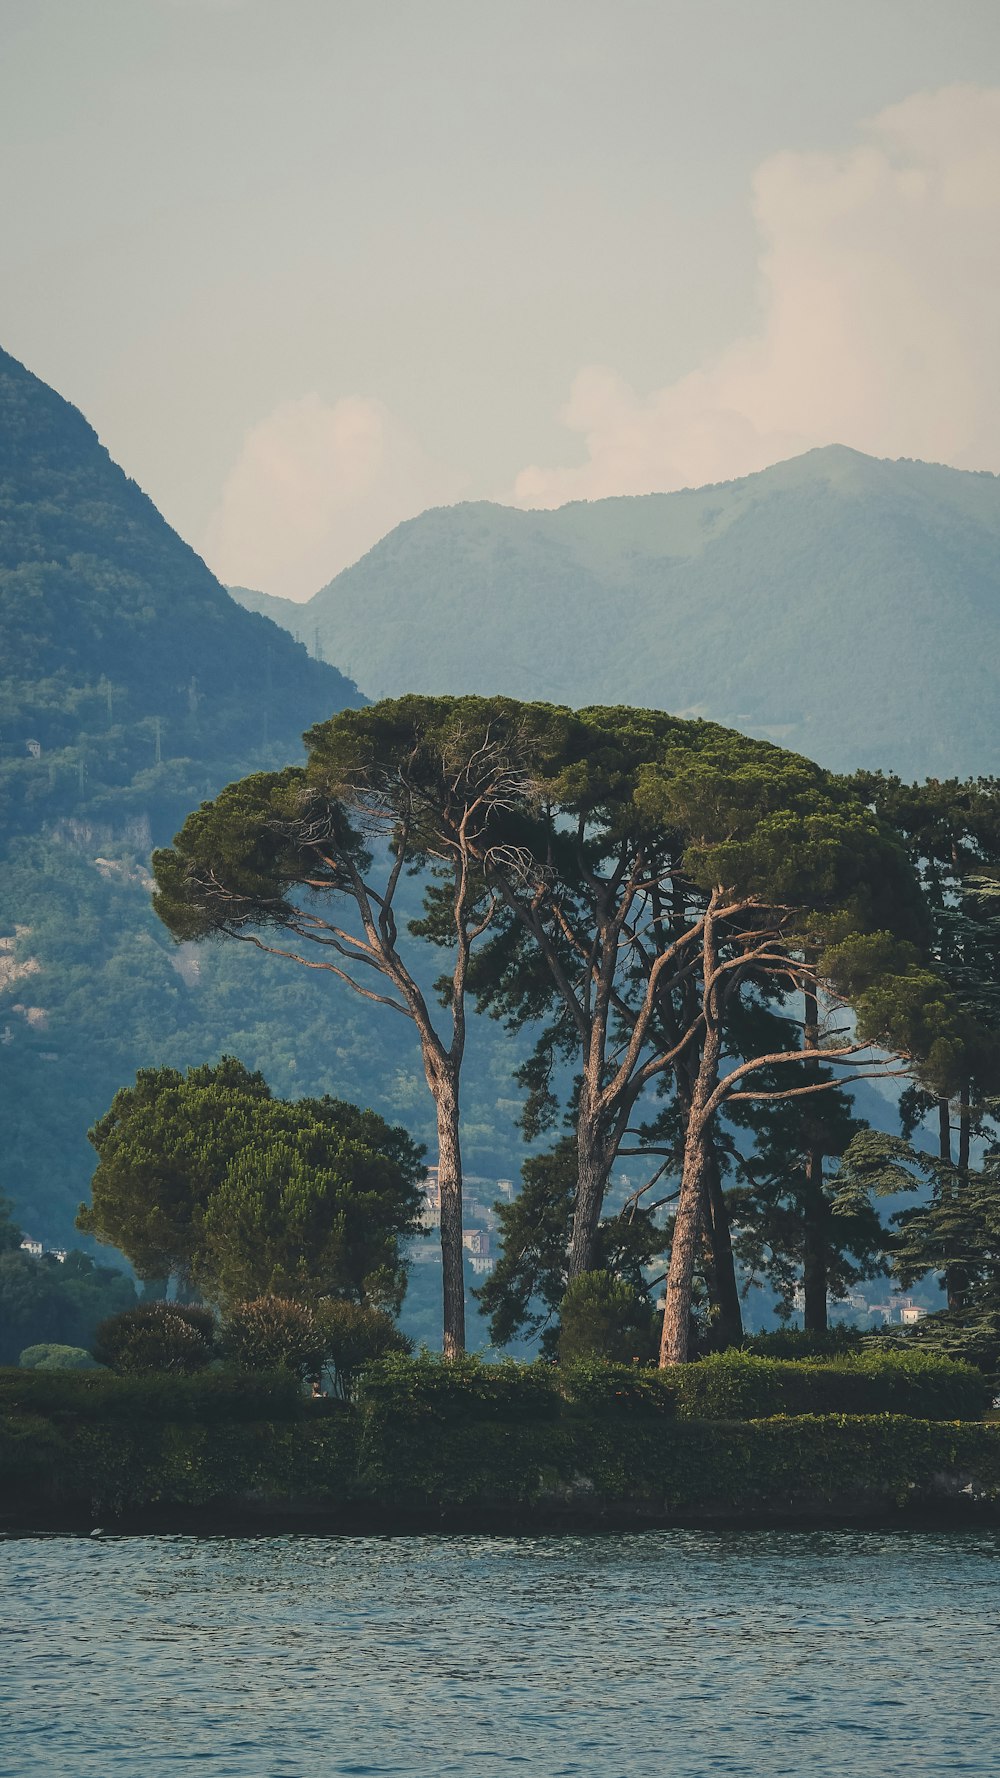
458	1389
100	1395
600	1388
603	1317
799	1342
57	1358
729	1385
31	1448
924	1384
172	1337
576	1469
737	1385
273	1333
353	1335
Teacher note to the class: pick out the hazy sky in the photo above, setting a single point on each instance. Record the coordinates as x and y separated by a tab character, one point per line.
310	266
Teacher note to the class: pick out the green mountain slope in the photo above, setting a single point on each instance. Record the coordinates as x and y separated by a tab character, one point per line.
121	654
844	606
142	687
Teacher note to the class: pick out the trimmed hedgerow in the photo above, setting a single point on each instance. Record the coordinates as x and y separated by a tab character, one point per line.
426	1387
738	1385
732	1385
579	1467
600	1388
798	1342
400	1390
100	1395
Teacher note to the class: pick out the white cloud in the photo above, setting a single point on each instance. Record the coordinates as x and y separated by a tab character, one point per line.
880	271
315	486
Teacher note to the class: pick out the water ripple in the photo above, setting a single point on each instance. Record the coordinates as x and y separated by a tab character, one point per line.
684	1654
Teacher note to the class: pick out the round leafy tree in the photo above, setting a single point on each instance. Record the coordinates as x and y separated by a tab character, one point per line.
209	1178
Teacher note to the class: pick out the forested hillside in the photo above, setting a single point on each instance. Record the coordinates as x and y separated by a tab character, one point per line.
133	687
846	607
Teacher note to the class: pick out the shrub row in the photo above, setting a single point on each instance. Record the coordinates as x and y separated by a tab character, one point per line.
741	1386
580	1467
408	1389
100	1395
727	1386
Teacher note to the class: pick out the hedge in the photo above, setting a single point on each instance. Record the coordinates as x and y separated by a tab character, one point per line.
579	1467
101	1395
408	1389
740	1386
731	1385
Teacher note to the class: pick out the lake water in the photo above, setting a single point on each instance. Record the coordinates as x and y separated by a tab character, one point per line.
674	1653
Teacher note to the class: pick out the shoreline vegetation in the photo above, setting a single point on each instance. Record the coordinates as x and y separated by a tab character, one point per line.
464	1446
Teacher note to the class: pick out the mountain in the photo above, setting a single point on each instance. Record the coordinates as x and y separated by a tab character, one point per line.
132	687
841	605
123	656
281	611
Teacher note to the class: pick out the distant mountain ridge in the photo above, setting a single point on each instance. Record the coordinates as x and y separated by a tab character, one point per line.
111	627
845	606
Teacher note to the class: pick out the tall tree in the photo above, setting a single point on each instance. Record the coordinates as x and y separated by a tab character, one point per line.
951	831
666	867
953	1231
275	860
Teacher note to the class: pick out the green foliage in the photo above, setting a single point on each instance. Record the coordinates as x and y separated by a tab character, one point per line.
730	1385
602	1317
43	1301
171	1337
584	1469
208	1396
429	1388
10	1234
208	1176
523	1294
599	1387
271	1334
354	1335
741	1386
797	1342
57	1358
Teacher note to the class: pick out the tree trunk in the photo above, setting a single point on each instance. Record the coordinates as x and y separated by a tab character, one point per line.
958	1277
814	1246
954	1276
450	1186
724	1292
676	1336
675	1339
815	1257
591	1183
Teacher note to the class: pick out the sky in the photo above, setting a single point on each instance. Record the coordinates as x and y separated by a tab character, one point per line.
312	266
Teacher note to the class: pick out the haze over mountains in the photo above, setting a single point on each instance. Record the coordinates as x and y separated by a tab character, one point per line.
841	605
